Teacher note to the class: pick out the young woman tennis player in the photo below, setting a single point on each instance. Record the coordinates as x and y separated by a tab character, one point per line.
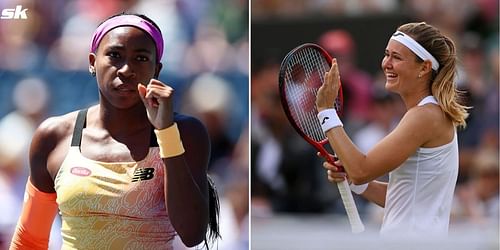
127	173
421	153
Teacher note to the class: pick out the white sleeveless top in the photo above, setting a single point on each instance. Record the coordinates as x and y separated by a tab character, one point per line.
420	191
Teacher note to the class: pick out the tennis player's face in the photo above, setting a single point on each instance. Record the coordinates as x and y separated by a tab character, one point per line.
400	68
125	57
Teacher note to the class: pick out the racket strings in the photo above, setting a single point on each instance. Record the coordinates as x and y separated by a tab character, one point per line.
303	78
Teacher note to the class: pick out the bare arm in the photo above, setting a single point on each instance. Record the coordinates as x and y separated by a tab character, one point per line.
40	207
187	188
386	155
186	174
376	192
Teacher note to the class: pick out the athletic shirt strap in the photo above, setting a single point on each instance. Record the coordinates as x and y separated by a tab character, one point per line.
428	99
81	123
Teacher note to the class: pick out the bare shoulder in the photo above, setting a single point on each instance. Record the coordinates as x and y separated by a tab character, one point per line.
190	124
46	149
56	127
432	123
429	115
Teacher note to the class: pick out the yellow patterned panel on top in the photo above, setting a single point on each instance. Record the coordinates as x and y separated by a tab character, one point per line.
113	205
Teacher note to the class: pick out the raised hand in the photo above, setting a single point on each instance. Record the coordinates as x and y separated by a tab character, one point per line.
158	100
328	92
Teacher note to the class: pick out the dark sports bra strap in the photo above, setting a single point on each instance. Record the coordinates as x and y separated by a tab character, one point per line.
81	121
80	124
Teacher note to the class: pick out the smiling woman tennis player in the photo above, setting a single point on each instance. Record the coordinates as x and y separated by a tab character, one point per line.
421	153
128	173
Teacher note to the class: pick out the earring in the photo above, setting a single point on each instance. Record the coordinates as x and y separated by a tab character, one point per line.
419	75
92	73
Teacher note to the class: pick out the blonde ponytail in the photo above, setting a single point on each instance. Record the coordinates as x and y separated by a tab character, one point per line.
443	88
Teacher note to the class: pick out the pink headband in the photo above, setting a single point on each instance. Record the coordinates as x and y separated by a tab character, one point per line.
128	20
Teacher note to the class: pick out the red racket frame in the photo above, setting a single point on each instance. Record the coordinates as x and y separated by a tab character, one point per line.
319	145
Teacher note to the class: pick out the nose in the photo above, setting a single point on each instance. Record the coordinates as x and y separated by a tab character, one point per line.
386	63
125	71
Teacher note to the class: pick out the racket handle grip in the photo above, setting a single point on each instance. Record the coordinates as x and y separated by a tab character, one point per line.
350	207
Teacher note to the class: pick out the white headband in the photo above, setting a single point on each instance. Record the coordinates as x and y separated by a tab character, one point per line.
411	44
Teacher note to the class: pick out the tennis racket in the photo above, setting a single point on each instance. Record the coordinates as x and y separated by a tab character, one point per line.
302	73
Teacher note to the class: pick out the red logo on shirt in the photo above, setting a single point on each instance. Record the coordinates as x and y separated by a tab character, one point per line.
80	171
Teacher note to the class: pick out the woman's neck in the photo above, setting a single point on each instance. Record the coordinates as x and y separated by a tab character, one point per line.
124	121
412	100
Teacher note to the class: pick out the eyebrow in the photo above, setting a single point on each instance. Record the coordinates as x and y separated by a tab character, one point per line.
122	47
393	52
141	50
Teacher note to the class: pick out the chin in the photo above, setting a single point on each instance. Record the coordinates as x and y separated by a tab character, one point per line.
391	87
125	103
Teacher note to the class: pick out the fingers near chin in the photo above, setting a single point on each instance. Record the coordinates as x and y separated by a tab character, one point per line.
161	89
141	89
155	82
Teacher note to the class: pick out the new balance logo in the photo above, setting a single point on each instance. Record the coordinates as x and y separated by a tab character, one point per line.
17	13
324	120
142	174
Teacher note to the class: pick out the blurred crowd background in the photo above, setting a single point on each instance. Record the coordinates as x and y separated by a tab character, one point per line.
287	178
44	72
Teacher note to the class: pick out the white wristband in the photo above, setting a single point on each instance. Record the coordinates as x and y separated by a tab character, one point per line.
329	119
358	189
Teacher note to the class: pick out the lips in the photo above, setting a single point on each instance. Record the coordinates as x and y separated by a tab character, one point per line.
390	75
125	87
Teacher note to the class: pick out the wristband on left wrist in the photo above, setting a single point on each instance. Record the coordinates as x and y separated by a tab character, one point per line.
169	141
329	119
